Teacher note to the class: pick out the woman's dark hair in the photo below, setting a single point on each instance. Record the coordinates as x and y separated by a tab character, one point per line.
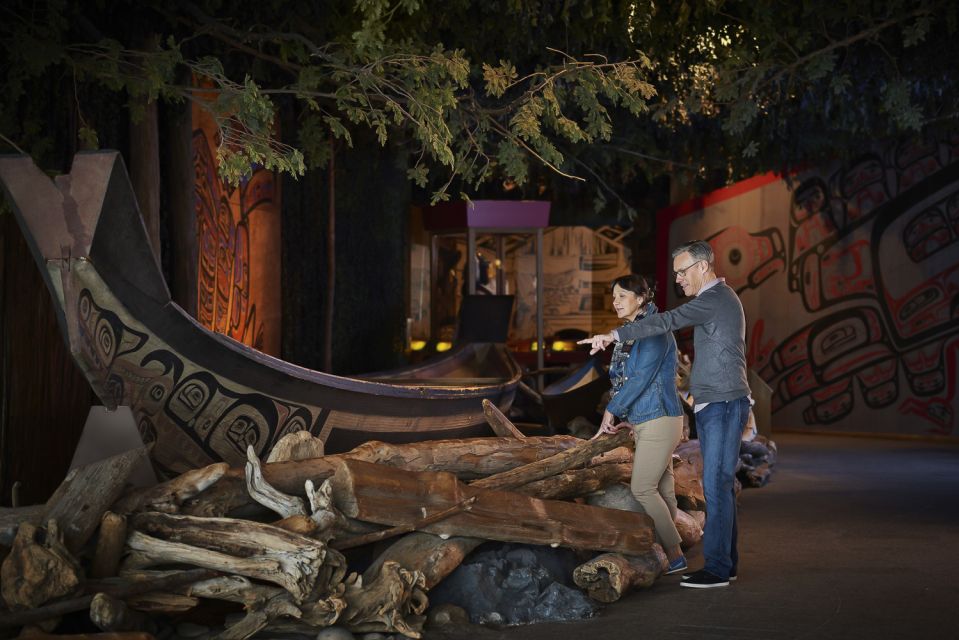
642	287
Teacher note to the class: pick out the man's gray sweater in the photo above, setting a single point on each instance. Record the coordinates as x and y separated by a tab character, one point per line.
719	339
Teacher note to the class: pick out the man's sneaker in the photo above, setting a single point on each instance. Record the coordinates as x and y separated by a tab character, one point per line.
704	580
677	565
732	575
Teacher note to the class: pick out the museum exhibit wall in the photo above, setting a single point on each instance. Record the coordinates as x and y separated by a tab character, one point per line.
238	247
578	264
849	276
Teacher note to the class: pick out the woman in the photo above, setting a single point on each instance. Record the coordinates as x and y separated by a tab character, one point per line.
644	397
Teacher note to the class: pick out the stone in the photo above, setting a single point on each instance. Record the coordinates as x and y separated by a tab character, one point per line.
507	584
335	633
446	614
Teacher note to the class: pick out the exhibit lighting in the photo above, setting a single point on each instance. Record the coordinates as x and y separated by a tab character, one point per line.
563	345
417	345
444	346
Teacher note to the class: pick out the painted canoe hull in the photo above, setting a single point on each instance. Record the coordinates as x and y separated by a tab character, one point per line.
576	394
199	396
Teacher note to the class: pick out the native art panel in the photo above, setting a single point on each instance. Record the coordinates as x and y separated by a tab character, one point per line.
238	246
850	281
189	415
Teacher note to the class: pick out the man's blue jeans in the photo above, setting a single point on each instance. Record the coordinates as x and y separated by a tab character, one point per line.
720	427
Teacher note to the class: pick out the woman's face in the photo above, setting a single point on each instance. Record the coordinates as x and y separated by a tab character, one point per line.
626	303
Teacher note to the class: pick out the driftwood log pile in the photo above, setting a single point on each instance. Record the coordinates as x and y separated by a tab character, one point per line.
272	539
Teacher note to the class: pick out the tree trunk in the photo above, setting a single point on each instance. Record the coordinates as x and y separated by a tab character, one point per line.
578	455
389	496
607	577
467	458
578	482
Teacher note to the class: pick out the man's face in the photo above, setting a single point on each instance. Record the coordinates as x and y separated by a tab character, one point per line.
690	273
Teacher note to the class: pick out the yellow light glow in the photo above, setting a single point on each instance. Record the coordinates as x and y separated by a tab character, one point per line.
417	345
534	346
563	345
444	346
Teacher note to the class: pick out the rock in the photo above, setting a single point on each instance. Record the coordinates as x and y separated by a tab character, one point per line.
335	633
444	614
616	496
515	584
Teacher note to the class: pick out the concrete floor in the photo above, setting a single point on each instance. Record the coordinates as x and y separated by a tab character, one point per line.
852	538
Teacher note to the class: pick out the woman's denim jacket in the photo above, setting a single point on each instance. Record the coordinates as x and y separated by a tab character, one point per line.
646	378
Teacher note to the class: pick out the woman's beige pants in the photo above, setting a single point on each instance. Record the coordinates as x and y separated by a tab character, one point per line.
652	480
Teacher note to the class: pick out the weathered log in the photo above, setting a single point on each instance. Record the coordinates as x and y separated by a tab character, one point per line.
689	528
112	614
166	603
293	571
329	521
228	588
265	494
619	455
688	476
168	496
393	602
578	482
499	423
429	554
376	536
110	540
10	519
260	617
390	496
87	492
55	609
436	557
579	455
39	568
107	635
237	546
301	525
299	445
756	476
607	577
468	458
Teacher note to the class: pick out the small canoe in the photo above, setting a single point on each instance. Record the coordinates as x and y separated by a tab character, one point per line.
576	394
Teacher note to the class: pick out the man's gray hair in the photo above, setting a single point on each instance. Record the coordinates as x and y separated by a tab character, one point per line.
697	250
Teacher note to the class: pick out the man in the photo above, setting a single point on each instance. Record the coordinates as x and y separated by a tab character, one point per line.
719	387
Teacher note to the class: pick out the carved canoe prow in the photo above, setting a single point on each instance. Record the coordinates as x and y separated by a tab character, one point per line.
200	396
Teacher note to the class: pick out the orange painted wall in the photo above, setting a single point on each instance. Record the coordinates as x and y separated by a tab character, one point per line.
238	247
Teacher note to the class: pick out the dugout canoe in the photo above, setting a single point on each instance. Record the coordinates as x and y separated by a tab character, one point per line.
197	395
576	394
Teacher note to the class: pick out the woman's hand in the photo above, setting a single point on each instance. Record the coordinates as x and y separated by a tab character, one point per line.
598	342
608	427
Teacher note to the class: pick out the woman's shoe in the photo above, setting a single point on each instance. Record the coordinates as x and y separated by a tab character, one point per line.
676	566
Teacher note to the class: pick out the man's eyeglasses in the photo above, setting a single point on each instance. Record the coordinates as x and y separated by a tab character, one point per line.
681	273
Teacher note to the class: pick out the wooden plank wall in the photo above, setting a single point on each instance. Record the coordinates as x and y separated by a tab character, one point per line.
44	399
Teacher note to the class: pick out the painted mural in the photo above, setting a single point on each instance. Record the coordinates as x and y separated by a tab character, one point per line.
238	247
850	281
